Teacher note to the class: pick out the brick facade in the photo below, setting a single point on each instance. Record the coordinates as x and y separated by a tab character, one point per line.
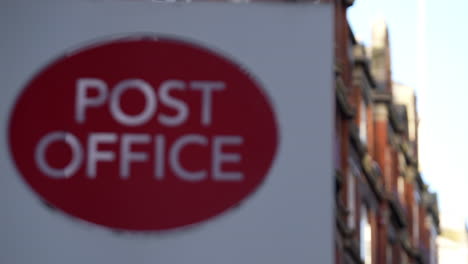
384	211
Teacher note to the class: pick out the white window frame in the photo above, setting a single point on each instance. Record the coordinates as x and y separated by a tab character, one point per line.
366	236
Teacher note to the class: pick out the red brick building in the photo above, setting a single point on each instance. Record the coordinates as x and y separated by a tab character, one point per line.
384	211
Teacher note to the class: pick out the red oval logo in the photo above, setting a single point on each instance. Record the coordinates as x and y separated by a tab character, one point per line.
143	134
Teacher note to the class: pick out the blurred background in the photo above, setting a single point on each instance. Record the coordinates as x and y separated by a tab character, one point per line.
427	42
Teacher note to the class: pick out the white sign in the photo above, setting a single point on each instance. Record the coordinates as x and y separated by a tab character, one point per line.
226	157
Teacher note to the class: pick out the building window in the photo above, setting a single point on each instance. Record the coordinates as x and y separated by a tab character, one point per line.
366	237
363	123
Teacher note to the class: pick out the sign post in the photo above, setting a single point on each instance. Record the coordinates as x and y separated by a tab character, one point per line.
166	133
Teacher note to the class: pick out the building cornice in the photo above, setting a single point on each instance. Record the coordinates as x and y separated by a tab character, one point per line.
338	180
372	177
409	249
410	159
420	182
361	149
351	246
341	213
344	230
397	210
381	97
360	59
431	203
397	124
344	105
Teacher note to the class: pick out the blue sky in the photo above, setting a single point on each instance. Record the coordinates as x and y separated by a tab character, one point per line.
441	86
